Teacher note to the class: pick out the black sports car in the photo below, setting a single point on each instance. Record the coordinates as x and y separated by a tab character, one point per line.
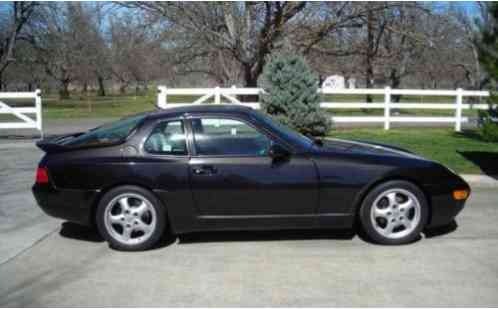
228	167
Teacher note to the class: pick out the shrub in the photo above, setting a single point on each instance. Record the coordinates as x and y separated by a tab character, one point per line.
488	121
489	131
487	44
291	96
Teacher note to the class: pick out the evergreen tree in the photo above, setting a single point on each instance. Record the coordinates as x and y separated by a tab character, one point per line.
291	95
487	44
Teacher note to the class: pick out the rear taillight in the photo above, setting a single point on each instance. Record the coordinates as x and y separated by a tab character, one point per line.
41	175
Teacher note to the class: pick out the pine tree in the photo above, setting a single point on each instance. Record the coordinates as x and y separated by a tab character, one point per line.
487	45
487	42
291	95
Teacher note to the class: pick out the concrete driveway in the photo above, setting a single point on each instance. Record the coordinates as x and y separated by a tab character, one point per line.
48	262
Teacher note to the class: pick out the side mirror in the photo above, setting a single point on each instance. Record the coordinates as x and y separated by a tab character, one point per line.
278	152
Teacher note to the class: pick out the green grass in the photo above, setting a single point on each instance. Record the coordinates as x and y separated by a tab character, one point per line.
104	107
96	107
462	152
400	112
91	106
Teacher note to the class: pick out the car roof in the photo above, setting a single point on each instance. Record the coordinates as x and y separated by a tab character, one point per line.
199	109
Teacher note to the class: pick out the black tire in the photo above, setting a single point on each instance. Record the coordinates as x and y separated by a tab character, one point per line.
156	233
365	213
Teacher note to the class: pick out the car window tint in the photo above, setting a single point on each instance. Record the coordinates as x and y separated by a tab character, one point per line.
167	138
221	136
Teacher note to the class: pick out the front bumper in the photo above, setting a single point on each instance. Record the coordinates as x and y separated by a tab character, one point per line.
444	208
72	205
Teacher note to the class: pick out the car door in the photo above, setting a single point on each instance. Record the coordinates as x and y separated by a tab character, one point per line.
232	174
164	167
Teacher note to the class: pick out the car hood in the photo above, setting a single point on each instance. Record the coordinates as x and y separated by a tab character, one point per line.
362	147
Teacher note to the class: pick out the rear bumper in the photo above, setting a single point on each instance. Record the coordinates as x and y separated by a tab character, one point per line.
71	205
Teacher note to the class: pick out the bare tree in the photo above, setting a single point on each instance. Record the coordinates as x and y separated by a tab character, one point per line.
70	46
88	45
232	41
19	14
465	21
136	53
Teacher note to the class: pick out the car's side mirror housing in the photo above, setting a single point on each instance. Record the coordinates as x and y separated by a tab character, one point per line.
278	152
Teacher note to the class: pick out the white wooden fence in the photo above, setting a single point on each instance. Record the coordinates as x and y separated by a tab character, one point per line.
20	112
228	95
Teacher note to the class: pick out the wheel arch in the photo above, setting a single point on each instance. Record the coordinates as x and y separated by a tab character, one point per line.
106	189
393	177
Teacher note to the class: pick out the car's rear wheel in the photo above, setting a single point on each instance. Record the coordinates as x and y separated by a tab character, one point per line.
130	218
394	213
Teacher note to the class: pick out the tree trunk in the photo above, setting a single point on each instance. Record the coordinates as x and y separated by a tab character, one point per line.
395	83
251	81
85	87
369	53
122	88
101	92
477	64
64	90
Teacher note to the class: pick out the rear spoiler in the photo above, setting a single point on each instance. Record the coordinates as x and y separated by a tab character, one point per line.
56	144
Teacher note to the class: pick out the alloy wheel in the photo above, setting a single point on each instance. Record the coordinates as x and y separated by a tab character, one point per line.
395	213
130	218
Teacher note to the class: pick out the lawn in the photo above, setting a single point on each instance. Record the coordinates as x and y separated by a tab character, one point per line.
97	107
91	106
462	152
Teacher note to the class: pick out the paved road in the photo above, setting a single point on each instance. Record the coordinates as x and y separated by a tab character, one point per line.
73	267
53	127
21	223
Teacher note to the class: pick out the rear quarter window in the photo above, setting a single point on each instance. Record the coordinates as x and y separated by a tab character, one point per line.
108	134
167	138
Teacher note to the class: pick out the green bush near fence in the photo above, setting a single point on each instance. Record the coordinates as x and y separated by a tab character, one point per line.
291	95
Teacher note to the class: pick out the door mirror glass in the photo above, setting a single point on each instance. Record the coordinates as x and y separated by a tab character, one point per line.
277	151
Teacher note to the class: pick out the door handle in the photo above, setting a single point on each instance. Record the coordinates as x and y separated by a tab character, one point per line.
204	170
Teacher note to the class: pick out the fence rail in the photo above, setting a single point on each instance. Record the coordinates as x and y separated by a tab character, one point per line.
20	112
230	95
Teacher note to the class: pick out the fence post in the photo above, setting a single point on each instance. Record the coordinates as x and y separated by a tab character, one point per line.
233	95
38	105
387	108
458	114
217	97
162	97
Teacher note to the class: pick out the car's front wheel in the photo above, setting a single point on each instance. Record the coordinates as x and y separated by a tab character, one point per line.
130	218
394	213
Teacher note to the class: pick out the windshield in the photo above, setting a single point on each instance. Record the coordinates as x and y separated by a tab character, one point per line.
107	134
286	132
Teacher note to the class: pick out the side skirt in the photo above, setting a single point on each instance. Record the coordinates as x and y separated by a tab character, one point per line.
272	222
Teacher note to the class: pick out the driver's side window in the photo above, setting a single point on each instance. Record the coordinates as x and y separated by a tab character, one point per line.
225	136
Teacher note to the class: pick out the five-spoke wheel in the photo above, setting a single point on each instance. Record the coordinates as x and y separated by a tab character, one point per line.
394	212
130	218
